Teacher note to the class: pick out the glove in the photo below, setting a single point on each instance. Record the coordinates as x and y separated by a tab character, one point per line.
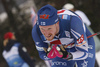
50	52
62	53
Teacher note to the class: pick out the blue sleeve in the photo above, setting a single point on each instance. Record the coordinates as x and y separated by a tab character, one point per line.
90	40
40	45
25	56
80	38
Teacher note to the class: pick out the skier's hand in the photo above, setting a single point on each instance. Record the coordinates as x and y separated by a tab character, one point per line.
62	53
50	52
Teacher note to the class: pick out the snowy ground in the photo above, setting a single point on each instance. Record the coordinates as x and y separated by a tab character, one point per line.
98	57
40	64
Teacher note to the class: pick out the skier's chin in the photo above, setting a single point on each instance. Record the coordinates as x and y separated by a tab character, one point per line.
49	39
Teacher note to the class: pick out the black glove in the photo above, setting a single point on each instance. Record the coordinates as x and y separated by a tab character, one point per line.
62	53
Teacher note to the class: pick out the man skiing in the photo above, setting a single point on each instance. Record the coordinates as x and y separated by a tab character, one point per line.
53	33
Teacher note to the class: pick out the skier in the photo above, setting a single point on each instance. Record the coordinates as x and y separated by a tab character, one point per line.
14	53
54	33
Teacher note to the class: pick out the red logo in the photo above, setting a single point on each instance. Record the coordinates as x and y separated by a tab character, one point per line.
81	39
44	16
61	11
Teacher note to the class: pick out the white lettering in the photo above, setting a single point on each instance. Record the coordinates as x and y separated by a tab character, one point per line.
90	46
90	55
46	58
84	64
59	63
39	48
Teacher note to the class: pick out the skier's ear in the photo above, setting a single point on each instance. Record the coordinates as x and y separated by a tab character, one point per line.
58	22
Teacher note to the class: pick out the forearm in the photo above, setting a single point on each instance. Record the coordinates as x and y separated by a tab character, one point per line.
79	55
43	55
25	56
28	60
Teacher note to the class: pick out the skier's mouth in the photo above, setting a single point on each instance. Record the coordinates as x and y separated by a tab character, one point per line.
48	36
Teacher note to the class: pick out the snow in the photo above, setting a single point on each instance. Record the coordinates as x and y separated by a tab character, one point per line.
98	57
3	16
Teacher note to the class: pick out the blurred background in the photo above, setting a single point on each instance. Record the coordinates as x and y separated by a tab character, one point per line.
16	16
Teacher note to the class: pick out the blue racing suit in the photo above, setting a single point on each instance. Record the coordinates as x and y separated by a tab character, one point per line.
16	55
72	30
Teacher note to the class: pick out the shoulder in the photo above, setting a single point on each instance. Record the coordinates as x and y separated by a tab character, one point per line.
35	30
66	14
76	20
64	11
76	23
37	35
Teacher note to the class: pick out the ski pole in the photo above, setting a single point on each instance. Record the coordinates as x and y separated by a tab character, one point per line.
94	34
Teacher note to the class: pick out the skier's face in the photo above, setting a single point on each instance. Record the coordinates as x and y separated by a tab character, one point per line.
50	31
13	37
